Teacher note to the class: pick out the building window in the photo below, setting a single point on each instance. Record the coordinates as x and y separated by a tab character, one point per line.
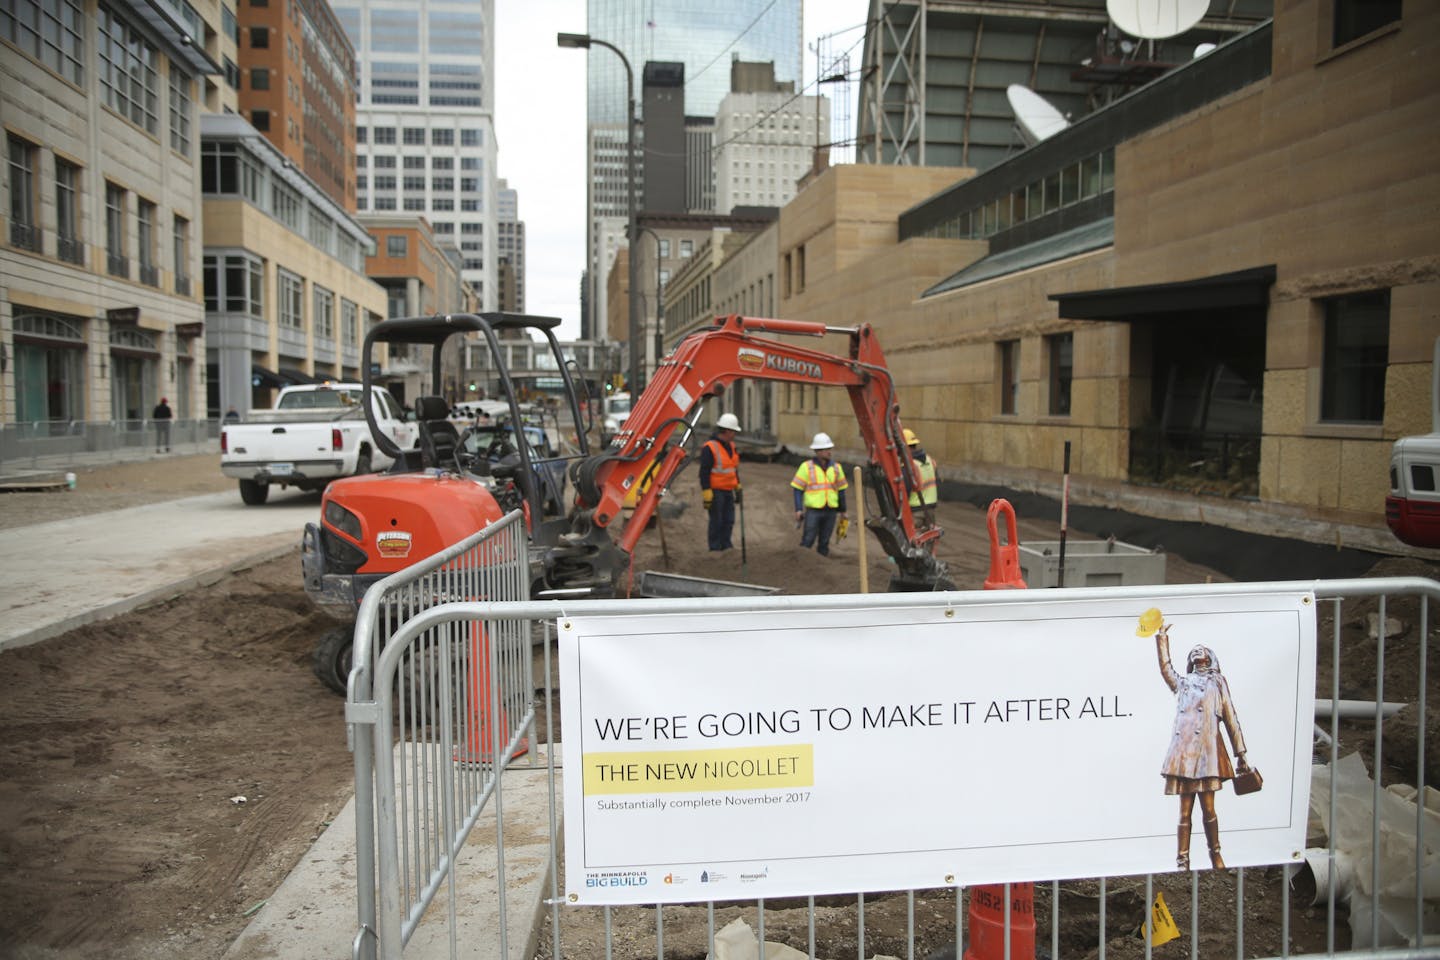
259	38
50	32
24	224
229	24
260	119
442	138
180	251
67	212
181	110
396	246
800	269
349	322
414	136
1060	349
145	242
117	263
384	203
439	184
687	249
49	368
129	74
1009	375
469	185
232	74
321	229
259	78
472	138
414	203
1356	18
361	133
235	283
1356	354
291	300
384	163
664	248
285	204
413	183
324	315
385	135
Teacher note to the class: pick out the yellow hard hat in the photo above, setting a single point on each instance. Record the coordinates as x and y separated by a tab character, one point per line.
910	438
1150	621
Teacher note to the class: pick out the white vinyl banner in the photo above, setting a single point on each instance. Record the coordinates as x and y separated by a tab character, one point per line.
737	756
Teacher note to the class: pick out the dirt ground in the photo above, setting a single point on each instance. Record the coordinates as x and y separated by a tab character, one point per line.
126	747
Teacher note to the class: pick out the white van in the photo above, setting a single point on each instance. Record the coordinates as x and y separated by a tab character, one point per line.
1413	507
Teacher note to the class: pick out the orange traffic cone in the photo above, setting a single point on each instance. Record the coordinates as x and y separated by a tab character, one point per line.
987	901
480	726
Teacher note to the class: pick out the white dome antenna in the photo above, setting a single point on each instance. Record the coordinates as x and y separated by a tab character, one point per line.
1036	117
1156	19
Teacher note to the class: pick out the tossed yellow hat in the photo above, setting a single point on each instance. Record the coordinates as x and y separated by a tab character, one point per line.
1150	621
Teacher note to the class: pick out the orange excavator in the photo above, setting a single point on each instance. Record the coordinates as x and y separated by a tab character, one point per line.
372	526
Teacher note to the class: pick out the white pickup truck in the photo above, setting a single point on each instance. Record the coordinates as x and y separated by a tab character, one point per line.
315	433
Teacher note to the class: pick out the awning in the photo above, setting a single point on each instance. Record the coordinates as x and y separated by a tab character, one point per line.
1070	243
1243	288
298	376
260	377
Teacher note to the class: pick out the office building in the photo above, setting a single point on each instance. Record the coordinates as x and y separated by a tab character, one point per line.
704	38
425	120
767	137
510	249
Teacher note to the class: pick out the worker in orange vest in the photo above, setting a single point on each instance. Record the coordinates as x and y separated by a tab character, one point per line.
819	487
720	481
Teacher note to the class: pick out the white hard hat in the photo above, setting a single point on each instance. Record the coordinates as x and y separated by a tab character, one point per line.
727	421
822	441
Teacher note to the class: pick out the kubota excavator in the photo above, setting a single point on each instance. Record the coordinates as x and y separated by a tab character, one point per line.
376	525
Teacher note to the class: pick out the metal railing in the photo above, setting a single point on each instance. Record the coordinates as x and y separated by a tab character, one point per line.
26	236
28	443
1399	894
70	249
117	266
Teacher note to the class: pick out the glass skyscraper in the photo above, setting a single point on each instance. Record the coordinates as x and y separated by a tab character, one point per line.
703	35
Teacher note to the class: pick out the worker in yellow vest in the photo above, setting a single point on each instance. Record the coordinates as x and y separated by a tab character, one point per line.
922	501
720	481
819	486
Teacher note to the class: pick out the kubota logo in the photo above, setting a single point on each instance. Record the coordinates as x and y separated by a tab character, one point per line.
393	543
805	368
750	358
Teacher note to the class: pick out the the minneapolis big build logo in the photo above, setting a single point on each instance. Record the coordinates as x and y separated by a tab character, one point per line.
619	878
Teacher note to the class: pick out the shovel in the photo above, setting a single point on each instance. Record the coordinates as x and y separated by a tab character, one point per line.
741	507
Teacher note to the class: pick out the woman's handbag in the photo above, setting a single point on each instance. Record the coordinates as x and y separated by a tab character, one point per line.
1248	781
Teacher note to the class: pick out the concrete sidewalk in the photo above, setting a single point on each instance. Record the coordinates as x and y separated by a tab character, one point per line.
313	913
66	573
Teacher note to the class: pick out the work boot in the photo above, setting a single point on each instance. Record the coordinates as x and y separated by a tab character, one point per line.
1212	837
1182	858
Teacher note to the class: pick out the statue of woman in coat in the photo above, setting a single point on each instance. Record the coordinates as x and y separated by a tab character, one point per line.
1196	763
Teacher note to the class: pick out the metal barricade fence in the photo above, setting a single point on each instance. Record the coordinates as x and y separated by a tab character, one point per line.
1407	902
426	718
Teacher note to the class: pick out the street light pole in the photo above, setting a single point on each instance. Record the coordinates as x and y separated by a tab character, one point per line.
659	296
585	41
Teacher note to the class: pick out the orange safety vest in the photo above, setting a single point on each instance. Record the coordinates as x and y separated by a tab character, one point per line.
822	486
927	493
725	472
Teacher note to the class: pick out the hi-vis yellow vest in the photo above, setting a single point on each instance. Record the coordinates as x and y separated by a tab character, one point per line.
927	493
822	486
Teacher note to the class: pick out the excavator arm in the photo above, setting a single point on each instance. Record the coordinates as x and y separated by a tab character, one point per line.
702	366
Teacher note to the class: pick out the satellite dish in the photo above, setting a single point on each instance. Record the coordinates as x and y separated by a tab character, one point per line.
1156	19
1202	49
1036	117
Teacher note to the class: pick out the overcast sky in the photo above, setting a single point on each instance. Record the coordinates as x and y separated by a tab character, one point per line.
540	130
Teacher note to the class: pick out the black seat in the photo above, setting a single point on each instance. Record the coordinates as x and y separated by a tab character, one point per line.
438	437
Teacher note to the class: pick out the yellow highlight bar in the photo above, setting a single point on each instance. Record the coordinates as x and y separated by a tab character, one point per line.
694	771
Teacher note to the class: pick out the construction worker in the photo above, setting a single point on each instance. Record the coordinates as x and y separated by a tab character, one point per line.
819	487
922	501
720	481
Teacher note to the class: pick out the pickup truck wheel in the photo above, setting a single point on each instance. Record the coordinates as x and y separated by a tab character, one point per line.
333	656
253	492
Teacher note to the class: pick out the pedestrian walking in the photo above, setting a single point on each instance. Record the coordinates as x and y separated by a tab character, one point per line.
819	487
922	500
162	416
720	481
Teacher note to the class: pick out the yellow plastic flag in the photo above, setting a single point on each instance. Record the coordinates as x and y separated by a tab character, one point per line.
1161	928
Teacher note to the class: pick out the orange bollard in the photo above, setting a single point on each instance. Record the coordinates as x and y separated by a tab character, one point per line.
479	724
987	901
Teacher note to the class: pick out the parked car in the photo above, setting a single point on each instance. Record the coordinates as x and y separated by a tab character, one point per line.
314	434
